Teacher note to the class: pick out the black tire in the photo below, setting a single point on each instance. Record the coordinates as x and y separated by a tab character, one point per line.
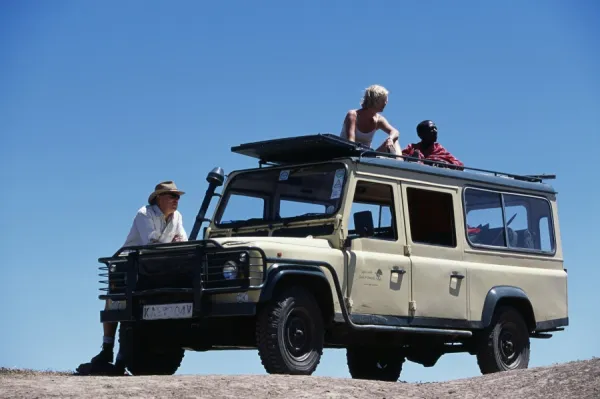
374	364
505	344
295	311
142	355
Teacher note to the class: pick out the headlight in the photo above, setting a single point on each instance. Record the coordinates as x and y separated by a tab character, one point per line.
230	270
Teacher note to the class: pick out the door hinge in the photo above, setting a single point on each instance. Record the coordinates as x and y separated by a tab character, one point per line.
412	306
407	250
338	221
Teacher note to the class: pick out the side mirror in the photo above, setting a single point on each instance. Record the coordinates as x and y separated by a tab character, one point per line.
363	223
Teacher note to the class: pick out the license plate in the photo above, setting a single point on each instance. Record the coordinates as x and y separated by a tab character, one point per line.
168	311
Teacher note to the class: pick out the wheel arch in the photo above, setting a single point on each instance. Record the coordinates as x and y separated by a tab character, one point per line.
506	295
311	278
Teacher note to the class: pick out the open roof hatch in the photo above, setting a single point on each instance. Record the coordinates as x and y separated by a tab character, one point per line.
301	149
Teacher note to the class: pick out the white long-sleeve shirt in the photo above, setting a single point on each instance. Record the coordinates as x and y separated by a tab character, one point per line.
149	227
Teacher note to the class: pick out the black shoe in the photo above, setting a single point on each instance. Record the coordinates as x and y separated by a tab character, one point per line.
98	369
105	355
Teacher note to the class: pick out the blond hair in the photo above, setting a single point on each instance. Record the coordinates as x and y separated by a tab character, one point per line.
374	96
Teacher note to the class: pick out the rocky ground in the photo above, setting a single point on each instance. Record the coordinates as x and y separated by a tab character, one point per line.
580	379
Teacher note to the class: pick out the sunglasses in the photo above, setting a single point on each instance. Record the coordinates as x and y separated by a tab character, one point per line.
172	195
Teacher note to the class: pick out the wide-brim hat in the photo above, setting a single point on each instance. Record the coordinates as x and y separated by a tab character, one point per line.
164	187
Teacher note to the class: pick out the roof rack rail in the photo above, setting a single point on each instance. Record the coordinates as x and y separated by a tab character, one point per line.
327	146
529	178
542	177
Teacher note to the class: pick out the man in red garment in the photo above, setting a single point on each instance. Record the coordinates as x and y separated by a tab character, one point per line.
429	149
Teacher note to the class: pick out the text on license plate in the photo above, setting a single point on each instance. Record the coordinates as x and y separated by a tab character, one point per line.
168	311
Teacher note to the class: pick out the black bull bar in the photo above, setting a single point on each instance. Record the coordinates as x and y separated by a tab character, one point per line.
187	269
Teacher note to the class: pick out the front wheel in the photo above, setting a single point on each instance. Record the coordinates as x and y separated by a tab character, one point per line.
374	364
290	333
505	345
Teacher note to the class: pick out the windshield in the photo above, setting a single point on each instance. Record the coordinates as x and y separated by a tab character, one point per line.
282	195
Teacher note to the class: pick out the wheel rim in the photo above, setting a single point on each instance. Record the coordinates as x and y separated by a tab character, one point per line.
298	335
509	347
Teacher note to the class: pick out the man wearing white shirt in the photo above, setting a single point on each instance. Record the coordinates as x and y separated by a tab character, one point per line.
157	222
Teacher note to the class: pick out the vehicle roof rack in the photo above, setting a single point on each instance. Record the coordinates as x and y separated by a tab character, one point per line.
326	146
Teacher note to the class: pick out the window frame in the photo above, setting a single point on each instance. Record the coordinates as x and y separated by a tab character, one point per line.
508	248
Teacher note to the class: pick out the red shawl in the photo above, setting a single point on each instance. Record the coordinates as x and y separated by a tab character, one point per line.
434	153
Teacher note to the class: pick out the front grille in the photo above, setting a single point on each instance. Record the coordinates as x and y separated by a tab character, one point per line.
176	267
167	271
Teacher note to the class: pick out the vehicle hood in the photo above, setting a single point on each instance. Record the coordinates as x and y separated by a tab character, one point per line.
242	241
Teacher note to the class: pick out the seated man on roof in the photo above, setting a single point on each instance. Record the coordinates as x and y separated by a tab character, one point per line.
429	149
361	124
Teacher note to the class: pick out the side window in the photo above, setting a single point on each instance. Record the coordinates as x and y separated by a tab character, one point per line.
519	214
508	220
545	234
485	223
526	234
377	198
431	217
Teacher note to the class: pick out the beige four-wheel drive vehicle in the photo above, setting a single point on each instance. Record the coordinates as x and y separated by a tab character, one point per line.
327	244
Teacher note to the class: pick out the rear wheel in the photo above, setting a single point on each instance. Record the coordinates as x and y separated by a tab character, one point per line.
374	363
290	333
147	351
505	344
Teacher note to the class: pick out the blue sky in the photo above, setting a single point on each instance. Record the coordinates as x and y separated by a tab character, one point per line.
99	101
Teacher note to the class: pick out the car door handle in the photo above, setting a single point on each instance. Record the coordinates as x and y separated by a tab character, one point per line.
457	276
399	271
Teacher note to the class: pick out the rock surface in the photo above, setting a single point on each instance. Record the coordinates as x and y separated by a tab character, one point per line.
579	379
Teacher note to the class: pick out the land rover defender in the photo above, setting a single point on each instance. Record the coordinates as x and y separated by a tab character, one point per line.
328	244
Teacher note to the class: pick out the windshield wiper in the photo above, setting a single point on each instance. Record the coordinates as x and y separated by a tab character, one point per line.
241	222
309	214
304	215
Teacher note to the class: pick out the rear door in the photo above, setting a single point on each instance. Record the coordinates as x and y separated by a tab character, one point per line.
439	275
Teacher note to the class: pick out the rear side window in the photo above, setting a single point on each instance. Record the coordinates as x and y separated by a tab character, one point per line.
511	221
431	217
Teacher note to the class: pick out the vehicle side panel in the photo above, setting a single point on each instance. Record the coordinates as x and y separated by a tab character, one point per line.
545	288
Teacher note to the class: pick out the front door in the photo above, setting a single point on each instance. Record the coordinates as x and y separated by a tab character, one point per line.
439	277
379	273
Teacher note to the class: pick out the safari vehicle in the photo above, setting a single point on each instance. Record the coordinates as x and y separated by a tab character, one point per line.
328	244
